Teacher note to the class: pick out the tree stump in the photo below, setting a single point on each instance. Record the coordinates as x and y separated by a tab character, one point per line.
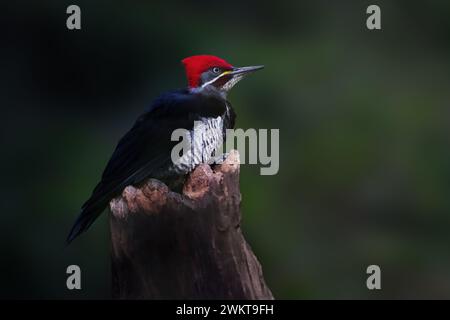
167	245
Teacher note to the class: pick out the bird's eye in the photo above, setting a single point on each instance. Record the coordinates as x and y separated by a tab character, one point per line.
216	70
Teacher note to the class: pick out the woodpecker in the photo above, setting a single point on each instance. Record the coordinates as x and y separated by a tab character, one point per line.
145	150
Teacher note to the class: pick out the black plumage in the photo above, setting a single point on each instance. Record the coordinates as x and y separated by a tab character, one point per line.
144	151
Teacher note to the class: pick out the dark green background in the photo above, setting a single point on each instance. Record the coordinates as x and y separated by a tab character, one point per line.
363	117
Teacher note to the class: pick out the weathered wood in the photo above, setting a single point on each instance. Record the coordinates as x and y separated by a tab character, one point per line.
190	246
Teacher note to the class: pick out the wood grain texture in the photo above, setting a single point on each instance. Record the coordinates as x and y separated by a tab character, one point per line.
167	245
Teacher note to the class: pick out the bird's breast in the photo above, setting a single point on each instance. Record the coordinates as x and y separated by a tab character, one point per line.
206	137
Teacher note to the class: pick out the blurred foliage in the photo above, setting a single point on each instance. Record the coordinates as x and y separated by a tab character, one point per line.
363	118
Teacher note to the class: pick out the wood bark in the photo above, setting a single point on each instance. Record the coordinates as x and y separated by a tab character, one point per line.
167	245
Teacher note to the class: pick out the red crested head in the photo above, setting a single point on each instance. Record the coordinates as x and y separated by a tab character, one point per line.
196	65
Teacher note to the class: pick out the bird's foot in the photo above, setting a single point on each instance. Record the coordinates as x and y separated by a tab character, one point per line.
218	159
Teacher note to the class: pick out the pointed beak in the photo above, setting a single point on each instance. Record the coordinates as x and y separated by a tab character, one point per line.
236	75
245	70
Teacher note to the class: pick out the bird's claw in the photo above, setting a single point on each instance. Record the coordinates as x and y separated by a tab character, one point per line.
218	159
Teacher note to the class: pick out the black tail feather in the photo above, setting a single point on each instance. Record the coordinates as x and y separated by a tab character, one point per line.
83	222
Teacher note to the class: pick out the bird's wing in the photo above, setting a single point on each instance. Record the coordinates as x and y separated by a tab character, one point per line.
145	149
